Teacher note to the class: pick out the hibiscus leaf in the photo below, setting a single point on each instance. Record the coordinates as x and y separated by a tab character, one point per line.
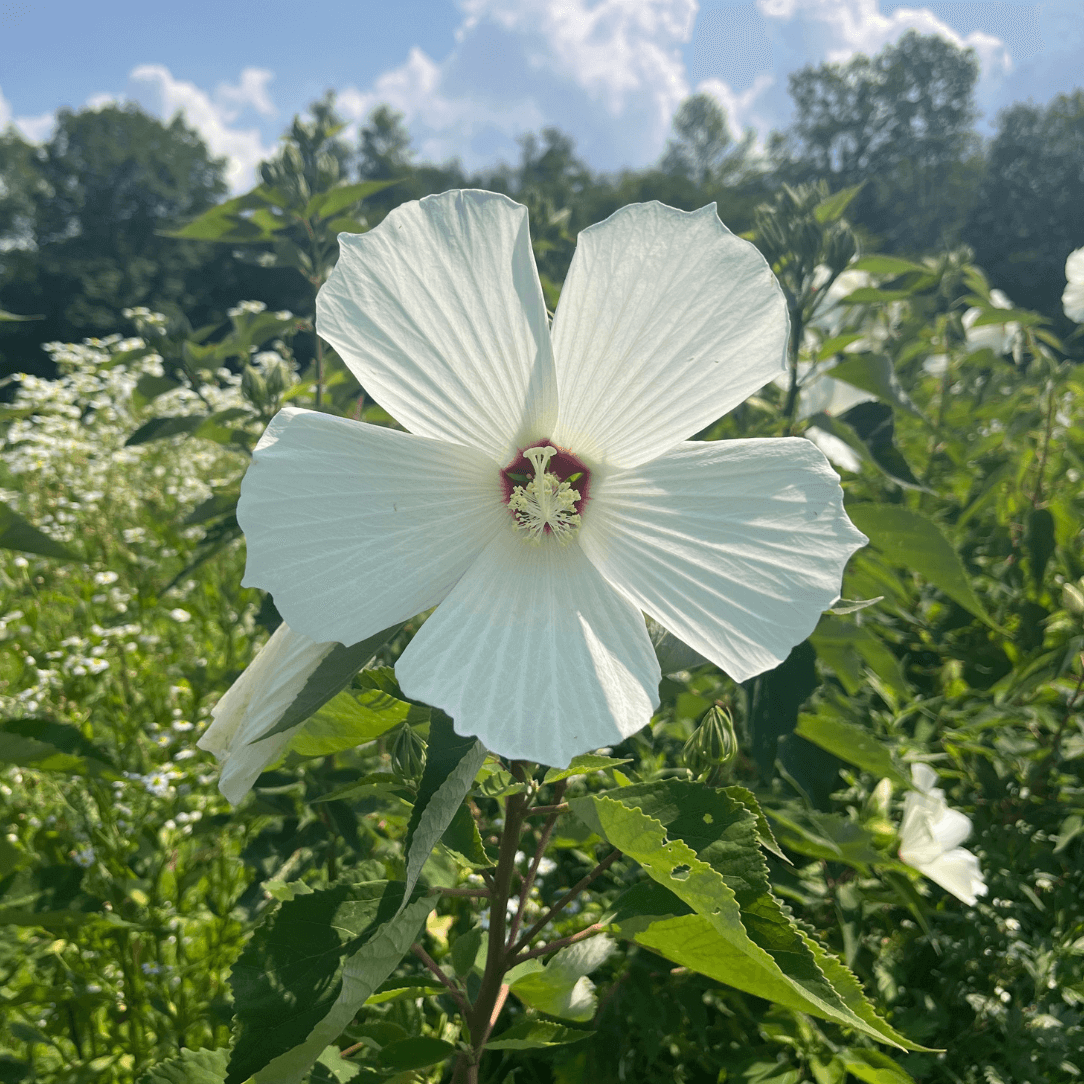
189	1067
851	743
532	1034
765	836
702	846
310	967
845	646
353	718
330	677
909	540
562	988
464	841
451	763
580	765
417	1052
17	533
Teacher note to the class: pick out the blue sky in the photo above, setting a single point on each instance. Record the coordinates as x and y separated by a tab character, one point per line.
471	75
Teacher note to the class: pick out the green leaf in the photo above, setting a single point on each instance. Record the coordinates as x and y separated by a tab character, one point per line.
332	1068
765	836
845	646
310	967
222	503
168	426
562	987
774	700
353	718
529	1033
19	534
910	540
580	765
51	747
832	208
451	763
330	677
372	785
1040	541
330	203
702	845
887	265
852	744
409	987
149	387
463	839
189	1067
415	1053
873	1067
873	373
827	836
10	316
673	654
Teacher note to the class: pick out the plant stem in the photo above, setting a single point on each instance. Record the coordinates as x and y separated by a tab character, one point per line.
432	965
565	900
563	942
540	850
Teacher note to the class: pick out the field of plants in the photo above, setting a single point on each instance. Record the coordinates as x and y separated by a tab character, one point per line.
865	864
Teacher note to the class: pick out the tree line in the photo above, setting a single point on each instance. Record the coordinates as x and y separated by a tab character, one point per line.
84	218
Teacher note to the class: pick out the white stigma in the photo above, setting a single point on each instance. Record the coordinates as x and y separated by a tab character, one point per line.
545	501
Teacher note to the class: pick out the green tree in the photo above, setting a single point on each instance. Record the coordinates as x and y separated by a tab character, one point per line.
1030	215
83	225
384	147
701	147
900	124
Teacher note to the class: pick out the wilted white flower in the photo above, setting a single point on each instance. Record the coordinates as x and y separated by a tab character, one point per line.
1072	300
546	494
930	838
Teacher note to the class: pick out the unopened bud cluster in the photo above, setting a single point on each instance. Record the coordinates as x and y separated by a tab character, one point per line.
713	744
408	753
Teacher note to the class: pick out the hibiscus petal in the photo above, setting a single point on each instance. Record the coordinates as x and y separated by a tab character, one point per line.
353	527
957	872
736	546
666	322
439	313
535	654
254	703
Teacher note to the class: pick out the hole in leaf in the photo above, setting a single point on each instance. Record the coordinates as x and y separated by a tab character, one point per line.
679	873
708	818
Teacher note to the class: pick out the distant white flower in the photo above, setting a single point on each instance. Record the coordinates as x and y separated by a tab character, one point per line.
103	579
1072	300
546	494
180	616
930	838
84	857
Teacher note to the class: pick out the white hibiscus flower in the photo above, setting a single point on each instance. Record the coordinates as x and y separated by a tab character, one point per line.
1072	300
546	495
930	838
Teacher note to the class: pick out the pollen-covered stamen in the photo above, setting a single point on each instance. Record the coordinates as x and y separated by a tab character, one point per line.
546	504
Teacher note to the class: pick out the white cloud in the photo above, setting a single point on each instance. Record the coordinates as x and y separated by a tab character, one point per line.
213	116
609	72
744	110
34	129
5	111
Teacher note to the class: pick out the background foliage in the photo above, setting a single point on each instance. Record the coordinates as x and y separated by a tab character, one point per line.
132	896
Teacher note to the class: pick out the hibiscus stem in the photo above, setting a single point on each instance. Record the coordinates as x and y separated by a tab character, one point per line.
560	943
539	854
492	992
565	900
434	967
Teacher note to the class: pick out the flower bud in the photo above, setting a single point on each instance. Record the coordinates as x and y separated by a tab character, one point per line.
1072	599
253	386
408	753
713	744
276	379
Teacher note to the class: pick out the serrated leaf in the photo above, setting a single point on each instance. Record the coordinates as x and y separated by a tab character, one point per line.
701	845
332	675
20	534
409	987
851	744
765	836
310	967
352	718
451	763
910	540
851	606
580	765
531	1034
190	1067
873	1067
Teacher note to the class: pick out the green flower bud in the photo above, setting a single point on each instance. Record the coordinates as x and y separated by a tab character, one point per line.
276	379
253	386
408	753
1072	599
713	744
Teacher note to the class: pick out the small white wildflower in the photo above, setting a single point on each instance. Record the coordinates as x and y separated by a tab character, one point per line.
84	857
179	615
103	579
